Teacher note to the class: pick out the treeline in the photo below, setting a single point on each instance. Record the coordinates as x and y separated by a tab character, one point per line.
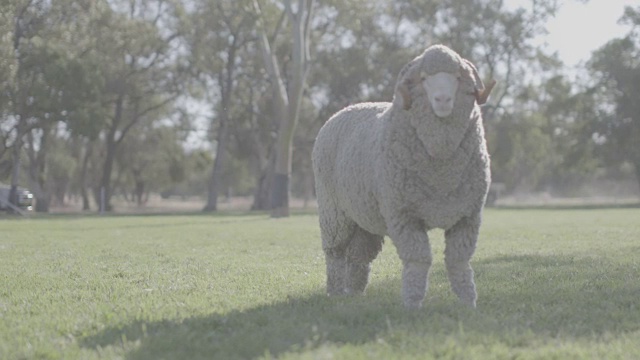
104	98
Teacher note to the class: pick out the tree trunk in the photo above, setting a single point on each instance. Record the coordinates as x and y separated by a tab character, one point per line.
86	206
287	103
226	81
15	174
105	191
280	196
37	170
262	191
218	164
139	192
60	192
15	170
105	184
636	164
263	169
282	171
262	159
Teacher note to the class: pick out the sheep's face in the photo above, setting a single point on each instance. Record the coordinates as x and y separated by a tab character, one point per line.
447	69
441	90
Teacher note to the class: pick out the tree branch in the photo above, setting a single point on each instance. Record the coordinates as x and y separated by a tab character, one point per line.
270	60
279	26
139	115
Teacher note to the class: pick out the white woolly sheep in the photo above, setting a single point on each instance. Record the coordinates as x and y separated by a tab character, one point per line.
402	168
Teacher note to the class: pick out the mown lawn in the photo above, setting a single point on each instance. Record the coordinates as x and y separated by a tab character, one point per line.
557	284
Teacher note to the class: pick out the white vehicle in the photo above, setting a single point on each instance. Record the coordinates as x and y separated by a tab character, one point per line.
25	198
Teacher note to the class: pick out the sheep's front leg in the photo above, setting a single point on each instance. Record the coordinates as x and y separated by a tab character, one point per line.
412	244
461	242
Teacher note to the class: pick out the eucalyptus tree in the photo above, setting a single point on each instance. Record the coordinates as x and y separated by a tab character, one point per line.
217	36
361	46
26	20
50	84
142	69
287	89
68	91
7	75
151	159
616	69
39	93
7	67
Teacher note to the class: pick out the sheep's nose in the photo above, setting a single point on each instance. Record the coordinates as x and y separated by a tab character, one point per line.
443	99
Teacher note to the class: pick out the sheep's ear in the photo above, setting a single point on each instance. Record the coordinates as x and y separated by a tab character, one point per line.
481	92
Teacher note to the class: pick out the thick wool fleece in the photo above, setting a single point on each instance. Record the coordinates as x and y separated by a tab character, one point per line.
383	170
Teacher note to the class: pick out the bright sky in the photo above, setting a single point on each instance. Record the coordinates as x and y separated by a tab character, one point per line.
579	28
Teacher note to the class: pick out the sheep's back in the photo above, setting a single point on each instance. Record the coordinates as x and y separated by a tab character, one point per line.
345	158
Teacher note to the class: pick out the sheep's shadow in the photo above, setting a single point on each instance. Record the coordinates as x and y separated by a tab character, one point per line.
520	298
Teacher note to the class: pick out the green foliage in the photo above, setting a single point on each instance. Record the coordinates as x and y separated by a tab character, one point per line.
546	142
189	176
616	67
115	71
523	152
360	61
551	283
7	55
151	157
60	166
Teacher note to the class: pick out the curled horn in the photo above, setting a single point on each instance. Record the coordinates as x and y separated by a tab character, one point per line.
405	82
481	92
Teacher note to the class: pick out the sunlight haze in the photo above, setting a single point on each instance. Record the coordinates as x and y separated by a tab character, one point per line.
578	29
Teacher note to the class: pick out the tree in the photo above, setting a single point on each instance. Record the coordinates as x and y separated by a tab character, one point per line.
616	67
287	99
501	42
37	91
7	69
150	160
27	20
51	82
220	32
65	91
359	61
142	73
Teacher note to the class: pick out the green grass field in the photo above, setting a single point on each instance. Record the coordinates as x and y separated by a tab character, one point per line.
552	284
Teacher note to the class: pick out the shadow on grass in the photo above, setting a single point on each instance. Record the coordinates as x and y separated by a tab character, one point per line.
551	297
597	206
152	214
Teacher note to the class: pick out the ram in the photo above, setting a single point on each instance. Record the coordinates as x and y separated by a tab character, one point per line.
401	169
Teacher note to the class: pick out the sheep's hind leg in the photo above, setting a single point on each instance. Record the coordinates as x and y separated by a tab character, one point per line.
336	231
460	245
361	251
336	271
